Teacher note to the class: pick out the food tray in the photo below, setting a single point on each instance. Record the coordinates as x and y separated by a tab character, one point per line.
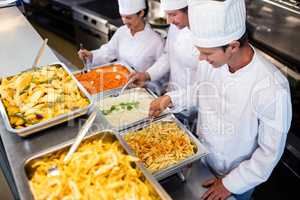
134	94
99	66
200	150
26	131
106	136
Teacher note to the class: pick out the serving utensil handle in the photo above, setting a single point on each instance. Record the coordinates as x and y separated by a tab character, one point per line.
82	132
40	53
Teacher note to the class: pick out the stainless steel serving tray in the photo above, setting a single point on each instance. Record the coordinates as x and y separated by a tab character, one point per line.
143	120
23	132
108	135
130	69
200	150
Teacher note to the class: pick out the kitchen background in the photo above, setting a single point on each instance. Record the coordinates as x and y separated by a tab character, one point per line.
274	28
67	23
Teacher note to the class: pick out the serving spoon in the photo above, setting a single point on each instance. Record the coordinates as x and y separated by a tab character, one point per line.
40	53
53	171
123	88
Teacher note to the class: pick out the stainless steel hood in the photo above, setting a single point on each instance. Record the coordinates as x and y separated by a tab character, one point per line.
275	26
4	3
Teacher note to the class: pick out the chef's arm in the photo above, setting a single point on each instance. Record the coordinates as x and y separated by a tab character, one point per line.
107	52
159	68
177	101
274	117
140	78
160	49
162	65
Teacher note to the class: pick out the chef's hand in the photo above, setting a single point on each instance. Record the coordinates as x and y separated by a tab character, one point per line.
85	55
139	78
159	105
216	190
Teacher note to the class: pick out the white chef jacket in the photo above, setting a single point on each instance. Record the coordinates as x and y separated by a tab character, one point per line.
243	119
180	58
139	51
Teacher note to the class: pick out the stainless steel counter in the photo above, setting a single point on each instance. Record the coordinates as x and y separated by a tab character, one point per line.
19	45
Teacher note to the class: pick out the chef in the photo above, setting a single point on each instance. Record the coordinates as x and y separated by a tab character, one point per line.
180	57
243	101
135	43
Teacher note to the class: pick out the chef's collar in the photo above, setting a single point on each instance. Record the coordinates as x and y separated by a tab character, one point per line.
242	70
146	29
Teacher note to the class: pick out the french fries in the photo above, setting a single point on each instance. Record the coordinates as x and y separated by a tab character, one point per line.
160	145
97	170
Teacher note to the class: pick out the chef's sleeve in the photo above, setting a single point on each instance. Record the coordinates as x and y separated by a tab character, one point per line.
162	66
107	52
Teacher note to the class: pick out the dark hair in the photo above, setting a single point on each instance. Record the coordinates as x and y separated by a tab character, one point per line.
146	10
185	9
243	40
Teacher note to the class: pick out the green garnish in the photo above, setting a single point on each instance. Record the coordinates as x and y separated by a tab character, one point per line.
122	106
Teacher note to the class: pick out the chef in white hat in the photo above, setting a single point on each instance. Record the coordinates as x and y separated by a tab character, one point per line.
243	101
135	43
180	58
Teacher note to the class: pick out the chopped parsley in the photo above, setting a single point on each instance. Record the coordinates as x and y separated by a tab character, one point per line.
122	106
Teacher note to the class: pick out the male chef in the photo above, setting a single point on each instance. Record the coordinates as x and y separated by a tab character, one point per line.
243	101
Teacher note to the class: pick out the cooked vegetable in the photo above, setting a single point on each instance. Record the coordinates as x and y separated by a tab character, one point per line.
127	108
121	106
104	78
41	94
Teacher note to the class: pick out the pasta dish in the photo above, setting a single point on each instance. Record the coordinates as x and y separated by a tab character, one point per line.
160	145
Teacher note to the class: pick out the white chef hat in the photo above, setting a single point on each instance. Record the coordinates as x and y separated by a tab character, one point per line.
173	4
215	23
130	7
